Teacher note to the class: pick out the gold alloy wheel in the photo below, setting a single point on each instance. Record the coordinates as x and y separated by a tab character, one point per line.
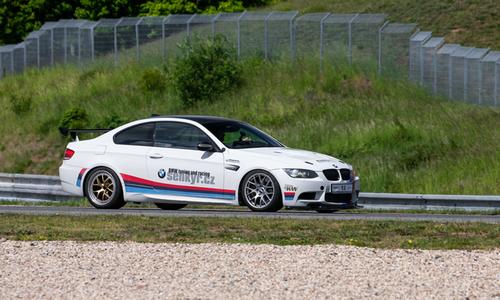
101	188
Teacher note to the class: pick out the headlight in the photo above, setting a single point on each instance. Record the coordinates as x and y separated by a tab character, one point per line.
301	173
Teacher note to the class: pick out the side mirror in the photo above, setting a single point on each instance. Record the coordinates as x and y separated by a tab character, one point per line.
205	146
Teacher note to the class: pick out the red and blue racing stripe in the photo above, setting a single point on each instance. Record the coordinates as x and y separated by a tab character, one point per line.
80	176
143	186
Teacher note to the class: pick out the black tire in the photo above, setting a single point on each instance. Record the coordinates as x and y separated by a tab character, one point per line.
326	211
102	177
170	206
275	202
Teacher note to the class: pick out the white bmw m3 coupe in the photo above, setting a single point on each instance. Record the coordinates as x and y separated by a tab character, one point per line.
173	161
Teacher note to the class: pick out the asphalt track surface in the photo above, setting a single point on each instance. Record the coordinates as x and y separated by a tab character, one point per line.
232	213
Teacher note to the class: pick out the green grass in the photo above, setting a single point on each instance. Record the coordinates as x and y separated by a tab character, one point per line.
472	22
85	203
377	234
399	138
70	203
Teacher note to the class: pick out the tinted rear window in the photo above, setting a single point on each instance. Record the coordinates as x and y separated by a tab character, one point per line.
139	135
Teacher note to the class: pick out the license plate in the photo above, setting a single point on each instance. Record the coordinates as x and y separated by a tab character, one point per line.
341	188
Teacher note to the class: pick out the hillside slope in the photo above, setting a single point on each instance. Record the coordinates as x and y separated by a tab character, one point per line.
473	22
399	138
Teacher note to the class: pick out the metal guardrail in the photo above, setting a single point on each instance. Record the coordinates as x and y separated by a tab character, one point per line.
36	188
428	201
32	188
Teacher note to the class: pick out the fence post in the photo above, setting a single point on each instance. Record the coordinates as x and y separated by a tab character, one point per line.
163	46
12	61
138	54
292	35
434	72
238	33
92	50
450	75
410	56
25	58
349	55
188	25
65	44
480	84
79	46
466	74
266	35
321	40
421	53
380	47
213	24
38	52
115	42
495	89
52	46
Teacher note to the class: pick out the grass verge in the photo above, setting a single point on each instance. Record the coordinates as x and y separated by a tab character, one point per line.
399	138
376	234
85	203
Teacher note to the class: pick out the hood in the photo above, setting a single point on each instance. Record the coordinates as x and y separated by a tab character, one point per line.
297	158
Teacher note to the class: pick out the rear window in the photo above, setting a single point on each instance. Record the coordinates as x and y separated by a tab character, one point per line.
139	135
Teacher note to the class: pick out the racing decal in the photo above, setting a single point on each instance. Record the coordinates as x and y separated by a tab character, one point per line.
289	196
143	186
189	176
290	188
80	176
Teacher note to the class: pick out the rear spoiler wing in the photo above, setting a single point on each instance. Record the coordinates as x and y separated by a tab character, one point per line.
74	132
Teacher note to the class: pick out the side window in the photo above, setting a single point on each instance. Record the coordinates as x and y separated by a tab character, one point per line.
241	138
179	135
140	135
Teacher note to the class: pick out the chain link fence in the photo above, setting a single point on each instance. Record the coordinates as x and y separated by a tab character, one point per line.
367	41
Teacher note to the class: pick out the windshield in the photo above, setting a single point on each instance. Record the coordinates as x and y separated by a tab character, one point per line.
236	135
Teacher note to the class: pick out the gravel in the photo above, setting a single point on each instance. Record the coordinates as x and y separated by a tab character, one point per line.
111	270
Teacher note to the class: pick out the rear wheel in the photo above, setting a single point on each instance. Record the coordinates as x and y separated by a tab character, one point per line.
261	192
170	206
103	189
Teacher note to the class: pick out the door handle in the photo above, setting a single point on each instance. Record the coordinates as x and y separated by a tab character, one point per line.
156	156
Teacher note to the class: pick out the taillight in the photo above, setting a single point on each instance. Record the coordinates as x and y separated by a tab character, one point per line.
68	154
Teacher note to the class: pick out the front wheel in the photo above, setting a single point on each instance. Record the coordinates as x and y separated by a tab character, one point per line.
170	206
103	189
261	192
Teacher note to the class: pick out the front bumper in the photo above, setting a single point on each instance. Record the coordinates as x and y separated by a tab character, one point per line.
317	193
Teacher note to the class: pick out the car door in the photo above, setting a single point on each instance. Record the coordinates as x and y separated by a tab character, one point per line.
128	154
182	172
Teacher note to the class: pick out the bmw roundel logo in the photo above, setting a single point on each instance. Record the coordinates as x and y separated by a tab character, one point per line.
162	173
